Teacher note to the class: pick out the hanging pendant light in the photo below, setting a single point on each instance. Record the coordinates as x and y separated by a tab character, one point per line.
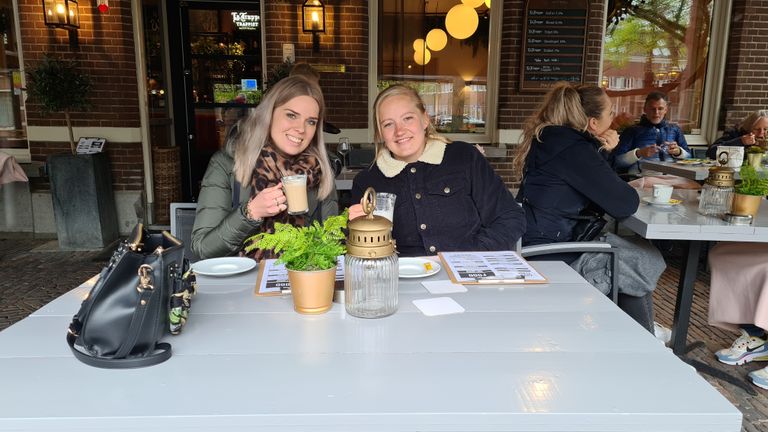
422	57
472	3
461	21
436	39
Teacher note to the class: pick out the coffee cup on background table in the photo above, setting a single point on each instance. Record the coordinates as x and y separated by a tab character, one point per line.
735	156
662	193
295	190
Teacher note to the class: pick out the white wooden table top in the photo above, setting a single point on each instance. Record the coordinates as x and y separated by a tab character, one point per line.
692	172
553	357
683	222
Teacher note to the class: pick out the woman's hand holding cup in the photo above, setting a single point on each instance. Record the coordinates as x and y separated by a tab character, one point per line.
355	211
269	202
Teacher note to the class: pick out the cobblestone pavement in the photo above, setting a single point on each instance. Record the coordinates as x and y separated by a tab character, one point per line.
34	272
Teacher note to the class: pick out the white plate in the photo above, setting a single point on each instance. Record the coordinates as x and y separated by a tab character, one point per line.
416	267
649	200
225	266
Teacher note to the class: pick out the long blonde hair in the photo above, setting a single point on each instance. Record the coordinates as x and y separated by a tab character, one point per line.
254	131
749	123
401	90
564	105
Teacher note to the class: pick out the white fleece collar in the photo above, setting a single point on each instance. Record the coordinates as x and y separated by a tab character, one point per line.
390	167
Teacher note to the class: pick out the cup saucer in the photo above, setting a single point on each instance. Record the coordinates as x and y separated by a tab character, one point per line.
649	200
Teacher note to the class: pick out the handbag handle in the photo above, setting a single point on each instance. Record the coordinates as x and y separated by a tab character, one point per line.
162	353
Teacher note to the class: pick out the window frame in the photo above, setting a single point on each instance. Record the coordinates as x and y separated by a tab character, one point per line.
491	134
21	155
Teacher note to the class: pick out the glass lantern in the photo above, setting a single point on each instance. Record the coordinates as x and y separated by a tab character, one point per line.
717	192
370	272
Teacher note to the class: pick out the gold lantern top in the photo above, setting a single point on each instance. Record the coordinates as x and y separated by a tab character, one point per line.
370	236
721	176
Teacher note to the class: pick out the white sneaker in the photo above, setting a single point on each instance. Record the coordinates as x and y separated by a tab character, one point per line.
662	333
744	350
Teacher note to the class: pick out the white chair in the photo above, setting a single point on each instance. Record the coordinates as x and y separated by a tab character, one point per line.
580	247
182	221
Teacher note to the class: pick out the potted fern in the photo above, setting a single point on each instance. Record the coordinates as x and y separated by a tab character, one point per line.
749	192
310	254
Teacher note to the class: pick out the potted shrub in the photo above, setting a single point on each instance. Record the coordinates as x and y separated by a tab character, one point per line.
81	185
749	191
310	255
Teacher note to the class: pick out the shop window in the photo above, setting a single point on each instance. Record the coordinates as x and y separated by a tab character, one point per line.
13	133
658	45
417	48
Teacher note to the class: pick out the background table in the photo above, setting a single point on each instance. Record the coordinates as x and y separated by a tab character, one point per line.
551	357
683	222
693	172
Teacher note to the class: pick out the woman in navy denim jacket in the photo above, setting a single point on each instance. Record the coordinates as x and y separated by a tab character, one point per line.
448	196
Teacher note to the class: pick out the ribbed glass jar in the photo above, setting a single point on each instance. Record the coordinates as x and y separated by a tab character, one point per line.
715	200
370	286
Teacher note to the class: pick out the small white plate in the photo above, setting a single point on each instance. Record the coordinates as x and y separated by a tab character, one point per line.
225	266
416	267
649	200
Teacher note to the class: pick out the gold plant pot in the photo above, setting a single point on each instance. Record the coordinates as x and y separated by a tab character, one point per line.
312	291
746	204
755	160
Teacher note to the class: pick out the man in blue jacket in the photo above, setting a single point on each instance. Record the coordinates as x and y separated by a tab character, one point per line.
653	138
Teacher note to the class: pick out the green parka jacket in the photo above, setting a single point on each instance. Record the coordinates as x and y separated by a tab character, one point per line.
221	228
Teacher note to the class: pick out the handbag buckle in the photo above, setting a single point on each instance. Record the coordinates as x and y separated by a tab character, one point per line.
145	278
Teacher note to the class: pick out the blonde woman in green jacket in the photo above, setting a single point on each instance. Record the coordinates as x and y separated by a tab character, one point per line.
241	193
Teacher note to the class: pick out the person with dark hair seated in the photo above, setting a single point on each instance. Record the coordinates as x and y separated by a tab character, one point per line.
653	138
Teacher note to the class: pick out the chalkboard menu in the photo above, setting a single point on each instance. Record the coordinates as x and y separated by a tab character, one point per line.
554	41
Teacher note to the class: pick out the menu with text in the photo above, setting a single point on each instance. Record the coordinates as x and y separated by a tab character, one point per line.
500	267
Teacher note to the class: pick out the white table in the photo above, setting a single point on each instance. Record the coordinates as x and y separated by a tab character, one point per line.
693	172
553	357
683	222
344	179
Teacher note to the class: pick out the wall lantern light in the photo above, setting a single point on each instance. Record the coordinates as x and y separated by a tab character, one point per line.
61	13
313	21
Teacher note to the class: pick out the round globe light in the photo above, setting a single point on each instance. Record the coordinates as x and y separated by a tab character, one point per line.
422	57
419	45
488	3
437	39
472	3
461	21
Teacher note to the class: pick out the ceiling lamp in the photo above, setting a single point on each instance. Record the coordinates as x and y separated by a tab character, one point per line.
436	39
472	3
461	21
488	4
422	57
418	45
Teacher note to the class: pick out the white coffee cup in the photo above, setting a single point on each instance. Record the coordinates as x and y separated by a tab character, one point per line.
735	155
662	193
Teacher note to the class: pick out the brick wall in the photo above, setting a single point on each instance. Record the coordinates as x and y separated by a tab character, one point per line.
745	86
106	53
346	94
514	106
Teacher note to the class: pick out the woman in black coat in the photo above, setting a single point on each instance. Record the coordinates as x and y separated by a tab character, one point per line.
565	172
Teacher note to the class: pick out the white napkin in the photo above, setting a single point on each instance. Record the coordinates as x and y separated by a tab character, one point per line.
438	306
443	287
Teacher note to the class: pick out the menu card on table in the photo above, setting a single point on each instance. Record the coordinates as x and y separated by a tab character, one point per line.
273	277
489	267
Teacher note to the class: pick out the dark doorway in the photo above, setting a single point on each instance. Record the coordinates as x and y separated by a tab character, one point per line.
217	73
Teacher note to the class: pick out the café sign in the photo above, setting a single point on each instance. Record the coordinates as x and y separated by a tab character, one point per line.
245	21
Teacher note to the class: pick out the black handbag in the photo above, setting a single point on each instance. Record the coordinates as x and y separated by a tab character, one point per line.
589	225
141	294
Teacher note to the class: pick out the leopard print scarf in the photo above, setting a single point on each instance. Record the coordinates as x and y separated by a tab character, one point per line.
270	167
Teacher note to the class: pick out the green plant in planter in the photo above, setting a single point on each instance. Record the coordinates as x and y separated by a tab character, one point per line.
59	85
305	248
753	182
755	149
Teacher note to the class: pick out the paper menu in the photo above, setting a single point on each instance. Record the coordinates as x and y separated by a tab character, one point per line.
273	277
489	267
